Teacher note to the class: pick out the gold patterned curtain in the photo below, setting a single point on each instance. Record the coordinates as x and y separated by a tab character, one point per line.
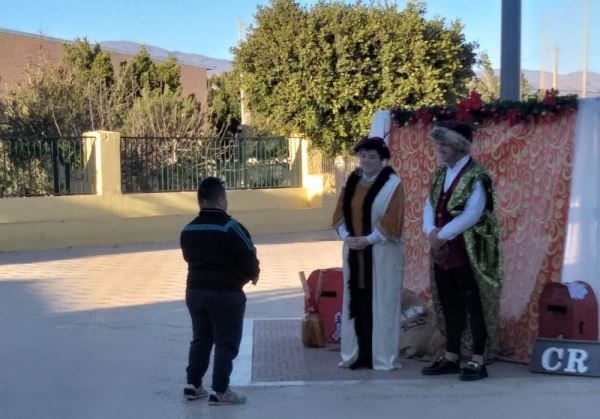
531	166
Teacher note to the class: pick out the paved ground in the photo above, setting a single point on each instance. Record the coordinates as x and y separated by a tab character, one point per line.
279	356
103	333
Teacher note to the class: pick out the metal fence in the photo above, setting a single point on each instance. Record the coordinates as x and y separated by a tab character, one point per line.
45	166
334	169
323	165
151	164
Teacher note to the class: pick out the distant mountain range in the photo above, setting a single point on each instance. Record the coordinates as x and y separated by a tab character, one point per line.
213	65
567	83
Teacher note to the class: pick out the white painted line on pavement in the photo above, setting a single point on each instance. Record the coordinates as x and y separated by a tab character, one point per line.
242	365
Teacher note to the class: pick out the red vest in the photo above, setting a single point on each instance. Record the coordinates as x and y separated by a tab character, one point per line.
457	252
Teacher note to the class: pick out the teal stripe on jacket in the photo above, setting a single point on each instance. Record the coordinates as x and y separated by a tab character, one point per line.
231	224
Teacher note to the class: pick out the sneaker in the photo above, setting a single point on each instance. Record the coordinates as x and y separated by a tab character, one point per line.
227	397
193	393
442	366
473	371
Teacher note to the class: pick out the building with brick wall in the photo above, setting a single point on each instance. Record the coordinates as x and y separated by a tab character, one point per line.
19	50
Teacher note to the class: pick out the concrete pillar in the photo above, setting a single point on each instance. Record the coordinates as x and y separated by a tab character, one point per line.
296	158
104	164
340	170
304	161
89	154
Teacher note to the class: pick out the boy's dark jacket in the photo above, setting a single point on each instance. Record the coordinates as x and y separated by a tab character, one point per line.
219	252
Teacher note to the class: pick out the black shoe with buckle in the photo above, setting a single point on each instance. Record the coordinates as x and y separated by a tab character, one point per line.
473	371
442	366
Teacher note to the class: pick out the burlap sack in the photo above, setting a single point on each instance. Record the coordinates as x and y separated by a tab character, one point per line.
420	337
312	331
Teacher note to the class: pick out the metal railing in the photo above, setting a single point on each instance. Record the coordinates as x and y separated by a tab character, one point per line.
323	165
152	164
333	169
45	166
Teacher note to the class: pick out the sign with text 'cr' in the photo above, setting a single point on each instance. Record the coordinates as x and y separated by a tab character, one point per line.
563	356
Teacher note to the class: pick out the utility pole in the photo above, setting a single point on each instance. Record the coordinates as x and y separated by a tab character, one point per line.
240	25
245	115
542	74
510	56
555	68
586	35
542	56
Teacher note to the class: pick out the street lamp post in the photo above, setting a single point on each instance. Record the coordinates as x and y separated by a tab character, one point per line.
510	55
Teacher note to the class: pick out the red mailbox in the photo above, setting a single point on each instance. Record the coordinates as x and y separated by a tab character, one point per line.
329	302
569	311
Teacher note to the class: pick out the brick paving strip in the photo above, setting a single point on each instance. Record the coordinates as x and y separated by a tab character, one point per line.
278	355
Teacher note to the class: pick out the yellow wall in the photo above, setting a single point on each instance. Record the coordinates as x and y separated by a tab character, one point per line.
58	222
112	218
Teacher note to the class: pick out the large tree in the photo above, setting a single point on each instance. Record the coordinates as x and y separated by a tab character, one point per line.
323	71
50	102
89	60
142	73
487	83
224	109
67	99
164	113
83	93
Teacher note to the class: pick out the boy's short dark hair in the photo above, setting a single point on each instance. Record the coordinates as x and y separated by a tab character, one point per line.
210	190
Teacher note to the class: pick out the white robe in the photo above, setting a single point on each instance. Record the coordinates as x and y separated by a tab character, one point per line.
388	276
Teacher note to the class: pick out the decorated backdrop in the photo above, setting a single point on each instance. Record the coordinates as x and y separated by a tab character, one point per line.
530	162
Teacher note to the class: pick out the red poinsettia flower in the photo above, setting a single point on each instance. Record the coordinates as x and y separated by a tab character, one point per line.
424	115
476	99
473	102
550	97
464	116
513	116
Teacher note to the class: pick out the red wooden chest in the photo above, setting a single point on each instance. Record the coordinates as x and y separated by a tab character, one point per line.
329	301
568	311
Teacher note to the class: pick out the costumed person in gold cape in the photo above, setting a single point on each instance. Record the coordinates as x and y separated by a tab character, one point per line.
460	221
369	217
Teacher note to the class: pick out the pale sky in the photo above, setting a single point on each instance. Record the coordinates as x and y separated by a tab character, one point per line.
211	27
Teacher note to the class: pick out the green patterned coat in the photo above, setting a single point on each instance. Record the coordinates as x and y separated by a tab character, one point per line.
484	247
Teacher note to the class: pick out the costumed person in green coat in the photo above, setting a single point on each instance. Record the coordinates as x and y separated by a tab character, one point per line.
460	220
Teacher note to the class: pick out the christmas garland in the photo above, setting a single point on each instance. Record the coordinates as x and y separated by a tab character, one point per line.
473	111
